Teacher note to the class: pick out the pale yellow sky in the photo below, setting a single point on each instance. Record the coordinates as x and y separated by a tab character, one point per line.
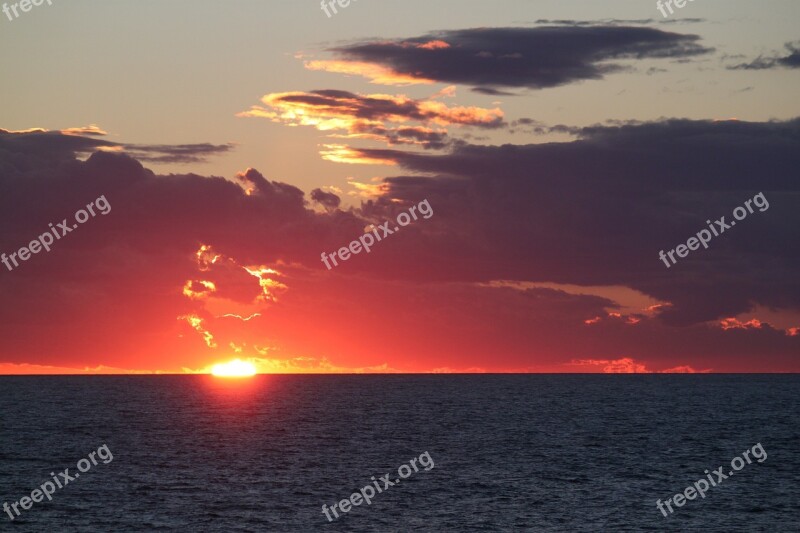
178	72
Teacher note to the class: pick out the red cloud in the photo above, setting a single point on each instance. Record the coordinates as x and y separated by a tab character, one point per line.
627	365
733	323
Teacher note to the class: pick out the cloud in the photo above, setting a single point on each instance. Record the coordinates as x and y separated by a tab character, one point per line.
327	199
178	153
303	365
376	73
627	365
340	153
74	141
119	280
650	186
91	129
376	117
792	60
25	369
492	58
536	127
572	229
733	323
606	22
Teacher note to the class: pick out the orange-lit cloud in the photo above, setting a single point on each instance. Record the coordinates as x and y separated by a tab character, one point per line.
206	257
91	129
197	324
112	149
449	370
628	319
224	296
368	190
375	73
433	45
301	365
25	369
627	365
684	370
447	92
269	286
734	323
243	319
657	308
339	153
379	117
28	130
198	289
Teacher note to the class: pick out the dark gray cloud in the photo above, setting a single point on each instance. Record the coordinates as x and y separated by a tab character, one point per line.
326	199
178	153
791	60
536	58
422	136
597	210
492	92
62	145
537	127
606	22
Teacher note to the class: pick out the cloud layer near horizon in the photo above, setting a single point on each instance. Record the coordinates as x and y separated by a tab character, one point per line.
133	289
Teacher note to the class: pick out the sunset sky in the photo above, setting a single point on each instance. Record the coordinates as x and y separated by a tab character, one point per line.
560	144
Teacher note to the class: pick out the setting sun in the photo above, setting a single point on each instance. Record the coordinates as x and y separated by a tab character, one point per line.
234	369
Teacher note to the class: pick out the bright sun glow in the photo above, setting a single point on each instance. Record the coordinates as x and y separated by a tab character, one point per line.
234	369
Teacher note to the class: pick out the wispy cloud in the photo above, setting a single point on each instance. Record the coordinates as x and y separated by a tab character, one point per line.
86	139
790	60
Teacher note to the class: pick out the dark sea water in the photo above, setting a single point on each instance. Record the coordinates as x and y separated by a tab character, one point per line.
511	453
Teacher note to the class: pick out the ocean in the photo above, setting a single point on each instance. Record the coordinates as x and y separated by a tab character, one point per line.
565	453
